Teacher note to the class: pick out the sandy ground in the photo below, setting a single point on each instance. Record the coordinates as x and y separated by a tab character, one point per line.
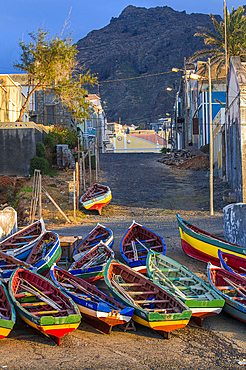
152	194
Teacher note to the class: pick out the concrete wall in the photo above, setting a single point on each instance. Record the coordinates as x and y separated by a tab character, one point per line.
234	223
17	146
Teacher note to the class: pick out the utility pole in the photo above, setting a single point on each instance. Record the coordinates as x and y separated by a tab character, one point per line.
185	141
226	66
211	158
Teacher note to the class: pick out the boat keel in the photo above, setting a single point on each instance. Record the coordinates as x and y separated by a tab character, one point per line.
164	334
56	339
98	324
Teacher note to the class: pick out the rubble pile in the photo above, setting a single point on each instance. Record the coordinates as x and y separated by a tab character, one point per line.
192	159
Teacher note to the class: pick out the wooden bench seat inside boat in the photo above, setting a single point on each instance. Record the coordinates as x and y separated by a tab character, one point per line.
130	284
26	237
27	294
152	301
34	304
140	293
48	312
142	241
143	249
169	270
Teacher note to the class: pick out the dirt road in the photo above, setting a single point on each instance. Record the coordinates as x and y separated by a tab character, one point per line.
151	193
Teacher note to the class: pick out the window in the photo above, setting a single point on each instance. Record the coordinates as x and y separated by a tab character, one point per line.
50	115
195	122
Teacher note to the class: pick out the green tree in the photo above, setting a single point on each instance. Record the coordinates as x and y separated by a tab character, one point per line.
236	39
51	64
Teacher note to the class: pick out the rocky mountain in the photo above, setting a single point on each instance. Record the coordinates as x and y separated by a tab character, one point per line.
133	57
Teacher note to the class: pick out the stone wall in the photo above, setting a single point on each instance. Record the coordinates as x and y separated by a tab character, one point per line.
62	115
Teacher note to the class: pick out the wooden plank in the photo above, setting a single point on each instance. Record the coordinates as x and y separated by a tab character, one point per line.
141	293
130	284
153	301
45	312
34	304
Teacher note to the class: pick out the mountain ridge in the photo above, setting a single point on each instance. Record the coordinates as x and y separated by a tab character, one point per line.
138	43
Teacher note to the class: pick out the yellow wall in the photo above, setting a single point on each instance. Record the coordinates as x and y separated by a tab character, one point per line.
3	105
129	144
11	99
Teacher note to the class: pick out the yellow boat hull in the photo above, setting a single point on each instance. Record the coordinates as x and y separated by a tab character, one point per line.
166	325
57	331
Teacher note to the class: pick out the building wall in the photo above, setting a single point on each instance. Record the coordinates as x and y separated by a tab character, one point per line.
17	146
11	99
3	104
45	100
218	123
235	129
123	143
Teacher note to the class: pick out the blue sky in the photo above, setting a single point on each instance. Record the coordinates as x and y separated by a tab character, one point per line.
18	17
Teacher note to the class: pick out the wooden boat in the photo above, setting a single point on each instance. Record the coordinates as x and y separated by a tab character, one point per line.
232	289
42	305
90	266
136	243
97	308
154	307
8	264
189	288
45	252
96	197
7	313
203	246
232	263
99	233
19	244
43	255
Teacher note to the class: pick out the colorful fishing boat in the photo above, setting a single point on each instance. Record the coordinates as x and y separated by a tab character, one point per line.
91	265
7	313
189	288
99	233
42	305
232	263
203	246
45	252
232	289
8	264
96	197
154	307
20	244
136	243
97	308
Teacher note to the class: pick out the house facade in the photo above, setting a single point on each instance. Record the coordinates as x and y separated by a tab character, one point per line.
235	128
11	99
199	101
137	142
191	110
219	149
94	127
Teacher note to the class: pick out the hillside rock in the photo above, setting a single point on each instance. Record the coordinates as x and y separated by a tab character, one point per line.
139	43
